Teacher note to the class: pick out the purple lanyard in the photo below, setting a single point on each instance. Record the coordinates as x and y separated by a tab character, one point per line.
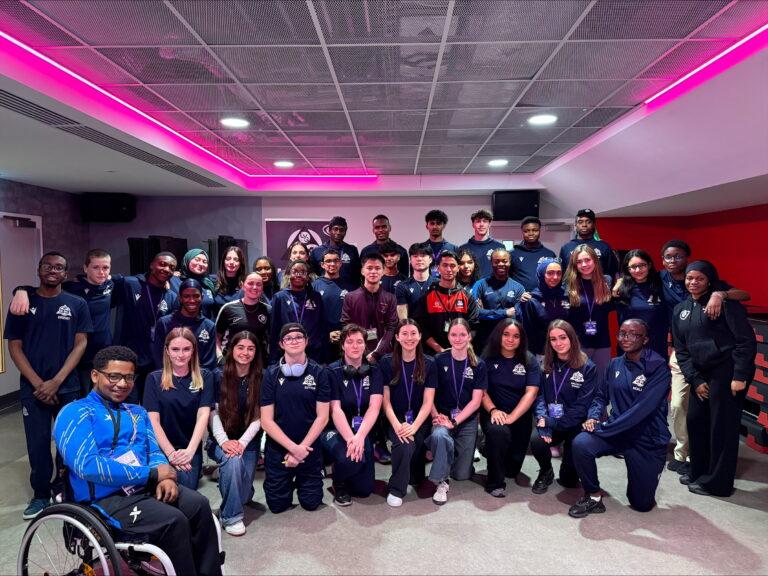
408	385
590	304
562	382
458	390
299	319
358	393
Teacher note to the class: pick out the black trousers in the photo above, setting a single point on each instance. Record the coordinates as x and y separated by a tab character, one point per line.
280	481
713	432
407	461
540	451
505	448
184	529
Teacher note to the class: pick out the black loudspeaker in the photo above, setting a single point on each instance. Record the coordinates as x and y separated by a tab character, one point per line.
102	207
515	204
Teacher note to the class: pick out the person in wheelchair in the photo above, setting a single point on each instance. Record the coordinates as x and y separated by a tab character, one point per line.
116	466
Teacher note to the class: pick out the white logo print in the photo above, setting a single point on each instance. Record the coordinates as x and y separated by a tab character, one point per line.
64	313
204	336
411	289
343	294
24	412
488	254
639	382
495	366
684	314
511	294
521	258
577	377
262	318
519	370
616	374
281	380
322	292
137	296
87	290
208	293
163	306
469	374
33	310
309	382
597	251
135	513
445	368
566	304
366	383
107	291
345	258
309	305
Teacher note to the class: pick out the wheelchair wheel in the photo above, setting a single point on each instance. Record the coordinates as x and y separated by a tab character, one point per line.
68	539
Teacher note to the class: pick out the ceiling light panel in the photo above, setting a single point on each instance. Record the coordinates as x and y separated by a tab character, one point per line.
212	120
119	22
518	118
480	165
511	20
622	19
462	62
412	63
381	21
251	22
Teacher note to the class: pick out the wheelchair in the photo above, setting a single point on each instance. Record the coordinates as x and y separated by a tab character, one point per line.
70	539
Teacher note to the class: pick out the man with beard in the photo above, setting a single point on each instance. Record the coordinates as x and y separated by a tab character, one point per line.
46	346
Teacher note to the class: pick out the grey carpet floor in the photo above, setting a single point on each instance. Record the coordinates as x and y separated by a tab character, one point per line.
474	533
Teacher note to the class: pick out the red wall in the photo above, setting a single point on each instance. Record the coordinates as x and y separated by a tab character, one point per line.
736	241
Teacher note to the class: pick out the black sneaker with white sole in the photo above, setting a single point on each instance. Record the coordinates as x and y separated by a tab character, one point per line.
586	506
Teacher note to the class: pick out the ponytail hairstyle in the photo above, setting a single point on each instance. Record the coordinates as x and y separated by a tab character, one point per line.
234	421
419	368
194	362
470	351
573	280
576	358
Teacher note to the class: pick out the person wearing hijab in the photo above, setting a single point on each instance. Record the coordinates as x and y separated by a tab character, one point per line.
548	302
195	265
717	358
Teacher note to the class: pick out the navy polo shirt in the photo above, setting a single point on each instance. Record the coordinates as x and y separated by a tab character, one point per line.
304	307
333	293
142	305
398	393
410	292
508	379
207	304
350	262
524	262
294	399
643	305
474	378
178	406
205	332
345	389
47	335
403	265
390	283
99	300
578	315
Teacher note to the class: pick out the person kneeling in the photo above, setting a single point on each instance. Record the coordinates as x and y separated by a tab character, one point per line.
117	467
636	385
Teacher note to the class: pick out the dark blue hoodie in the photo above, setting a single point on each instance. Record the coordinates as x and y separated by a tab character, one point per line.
482	250
525	262
546	304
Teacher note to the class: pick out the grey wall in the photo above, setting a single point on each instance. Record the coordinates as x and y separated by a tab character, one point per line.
195	218
63	230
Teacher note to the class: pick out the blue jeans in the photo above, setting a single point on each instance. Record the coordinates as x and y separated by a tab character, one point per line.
235	481
452	451
192	478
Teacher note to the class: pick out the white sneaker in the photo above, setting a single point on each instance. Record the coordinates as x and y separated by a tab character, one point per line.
236	529
394	501
440	496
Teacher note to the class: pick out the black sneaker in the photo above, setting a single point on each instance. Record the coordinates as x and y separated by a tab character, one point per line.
585	507
543	481
686	479
685	468
674	465
341	497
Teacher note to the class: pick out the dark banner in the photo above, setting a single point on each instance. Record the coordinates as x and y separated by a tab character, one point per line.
280	233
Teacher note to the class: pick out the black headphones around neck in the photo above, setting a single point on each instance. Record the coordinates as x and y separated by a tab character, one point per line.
357	373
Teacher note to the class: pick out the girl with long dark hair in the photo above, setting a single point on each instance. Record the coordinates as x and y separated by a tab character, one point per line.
230	277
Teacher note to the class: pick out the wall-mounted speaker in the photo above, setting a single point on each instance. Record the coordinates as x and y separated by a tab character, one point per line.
514	204
103	207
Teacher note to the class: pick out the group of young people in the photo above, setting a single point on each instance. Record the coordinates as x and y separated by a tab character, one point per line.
434	351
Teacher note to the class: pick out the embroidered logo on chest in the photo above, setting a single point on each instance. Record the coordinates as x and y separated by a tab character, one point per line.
519	370
309	382
577	380
64	313
204	336
638	383
163	306
262	319
684	314
469	374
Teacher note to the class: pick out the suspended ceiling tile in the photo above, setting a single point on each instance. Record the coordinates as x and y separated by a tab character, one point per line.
388	120
389	137
462	62
322	138
393	166
508	20
556	148
300	167
266	155
376	64
635	92
119	22
573	135
386	96
212	120
633	19
480	164
684	58
569	92
341	166
448	150
169	65
534	163
276	64
242	138
509	150
465	118
381	21
476	94
518	118
249	22
329	152
292	121
456	136
140	97
89	64
374	153
602	116
741	19
457	164
207	97
604	60
290	97
30	27
529	135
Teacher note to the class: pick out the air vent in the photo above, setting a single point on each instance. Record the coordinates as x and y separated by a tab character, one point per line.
32	110
36	112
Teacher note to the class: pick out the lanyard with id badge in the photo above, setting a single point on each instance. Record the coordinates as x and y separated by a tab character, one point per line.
299	319
590	326
357	421
408	393
127	458
457	389
555	409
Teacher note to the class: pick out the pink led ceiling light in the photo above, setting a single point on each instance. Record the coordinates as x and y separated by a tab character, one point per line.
27	66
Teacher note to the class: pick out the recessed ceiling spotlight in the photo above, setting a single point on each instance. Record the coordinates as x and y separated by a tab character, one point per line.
283	164
231	122
498	162
542	119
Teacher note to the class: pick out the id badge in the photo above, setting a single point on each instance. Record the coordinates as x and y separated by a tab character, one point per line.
454	413
590	327
409	417
371	334
555	410
128	459
357	421
446	326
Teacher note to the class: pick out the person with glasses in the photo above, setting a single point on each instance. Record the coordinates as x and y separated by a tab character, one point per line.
295	394
333	289
179	398
46	346
301	304
297	251
675	255
116	465
349	259
636	386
